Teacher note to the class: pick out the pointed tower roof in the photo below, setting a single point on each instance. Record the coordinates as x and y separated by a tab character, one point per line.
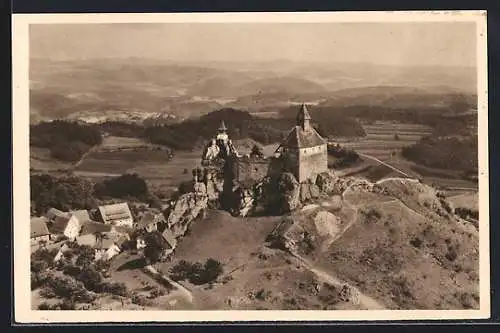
222	126
303	114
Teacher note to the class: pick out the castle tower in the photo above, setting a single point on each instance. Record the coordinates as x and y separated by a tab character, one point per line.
304	150
303	118
222	132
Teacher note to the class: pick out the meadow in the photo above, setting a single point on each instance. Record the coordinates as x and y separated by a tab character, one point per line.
384	138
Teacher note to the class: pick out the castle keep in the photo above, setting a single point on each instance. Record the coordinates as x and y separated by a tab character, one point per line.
304	151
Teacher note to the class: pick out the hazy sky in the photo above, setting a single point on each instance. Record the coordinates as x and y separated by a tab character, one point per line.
452	44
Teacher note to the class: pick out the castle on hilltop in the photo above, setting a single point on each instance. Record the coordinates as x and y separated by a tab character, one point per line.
303	153
304	150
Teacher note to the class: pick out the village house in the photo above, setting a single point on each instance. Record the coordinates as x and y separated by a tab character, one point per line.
39	231
116	214
171	241
168	242
64	248
82	215
106	248
105	245
52	213
67	225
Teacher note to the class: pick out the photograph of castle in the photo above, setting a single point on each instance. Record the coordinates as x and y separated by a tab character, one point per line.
254	164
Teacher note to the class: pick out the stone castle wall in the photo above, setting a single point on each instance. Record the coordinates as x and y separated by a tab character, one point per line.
313	161
251	170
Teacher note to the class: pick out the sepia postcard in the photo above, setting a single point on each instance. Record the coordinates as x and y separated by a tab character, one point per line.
203	167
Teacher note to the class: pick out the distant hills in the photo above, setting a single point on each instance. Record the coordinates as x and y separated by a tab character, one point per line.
61	88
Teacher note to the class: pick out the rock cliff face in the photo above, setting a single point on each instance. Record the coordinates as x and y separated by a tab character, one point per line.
278	194
282	194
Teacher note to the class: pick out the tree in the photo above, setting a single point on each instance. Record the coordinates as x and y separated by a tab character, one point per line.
256	152
155	247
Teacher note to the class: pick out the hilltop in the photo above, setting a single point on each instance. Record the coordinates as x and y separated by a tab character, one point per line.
241	124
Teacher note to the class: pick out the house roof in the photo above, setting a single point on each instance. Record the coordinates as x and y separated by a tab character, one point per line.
117	238
54	212
169	237
300	138
82	215
87	239
58	225
104	243
92	227
39	227
149	218
114	212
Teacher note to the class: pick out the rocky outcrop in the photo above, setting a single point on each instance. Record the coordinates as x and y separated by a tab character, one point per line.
327	183
186	208
297	234
289	189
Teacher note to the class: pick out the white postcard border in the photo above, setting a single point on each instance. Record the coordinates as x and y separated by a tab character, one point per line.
21	197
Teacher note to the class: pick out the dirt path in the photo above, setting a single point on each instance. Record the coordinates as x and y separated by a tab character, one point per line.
385	164
365	301
185	293
91	150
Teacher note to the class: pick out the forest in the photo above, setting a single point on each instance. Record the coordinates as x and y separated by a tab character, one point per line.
67	141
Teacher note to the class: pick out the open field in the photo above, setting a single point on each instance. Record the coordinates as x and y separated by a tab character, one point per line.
466	200
120	141
41	160
381	140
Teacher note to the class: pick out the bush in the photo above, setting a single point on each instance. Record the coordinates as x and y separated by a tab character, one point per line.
115	288
139	300
71	270
197	273
85	257
66	287
90	278
156	292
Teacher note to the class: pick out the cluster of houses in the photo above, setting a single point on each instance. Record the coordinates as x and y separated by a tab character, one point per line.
105	229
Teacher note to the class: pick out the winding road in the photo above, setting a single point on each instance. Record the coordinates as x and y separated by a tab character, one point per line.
184	292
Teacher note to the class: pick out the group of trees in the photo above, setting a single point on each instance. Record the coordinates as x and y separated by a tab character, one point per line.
197	273
82	277
69	192
192	132
64	193
451	153
344	157
67	141
127	185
